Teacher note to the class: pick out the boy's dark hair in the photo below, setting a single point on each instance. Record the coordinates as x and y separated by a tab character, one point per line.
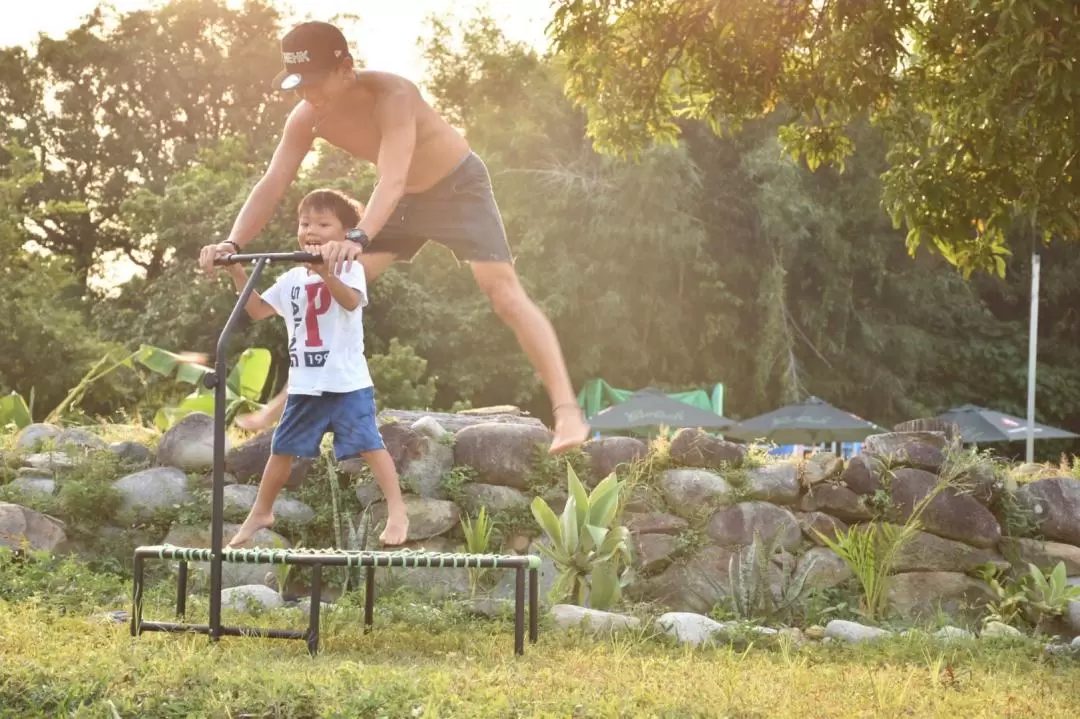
345	208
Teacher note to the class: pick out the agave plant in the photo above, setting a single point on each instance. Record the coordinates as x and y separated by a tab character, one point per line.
589	553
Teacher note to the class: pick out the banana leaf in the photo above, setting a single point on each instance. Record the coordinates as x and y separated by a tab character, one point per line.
14	410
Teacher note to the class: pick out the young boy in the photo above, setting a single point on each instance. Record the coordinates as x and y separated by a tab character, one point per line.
330	388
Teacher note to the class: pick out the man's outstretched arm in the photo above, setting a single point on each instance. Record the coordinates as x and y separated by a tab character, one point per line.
395	115
294	145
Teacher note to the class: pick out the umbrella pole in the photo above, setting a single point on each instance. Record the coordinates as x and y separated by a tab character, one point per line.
1033	332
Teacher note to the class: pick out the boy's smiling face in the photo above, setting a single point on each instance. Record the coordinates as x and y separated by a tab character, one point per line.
317	227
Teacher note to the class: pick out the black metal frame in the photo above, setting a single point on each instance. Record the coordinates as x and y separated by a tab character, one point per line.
316	559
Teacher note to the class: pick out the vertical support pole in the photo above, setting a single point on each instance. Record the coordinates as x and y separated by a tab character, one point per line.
534	603
519	611
181	589
316	606
136	596
1033	337
369	597
218	382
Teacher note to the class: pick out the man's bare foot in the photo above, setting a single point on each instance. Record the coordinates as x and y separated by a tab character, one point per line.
397	528
250	528
571	429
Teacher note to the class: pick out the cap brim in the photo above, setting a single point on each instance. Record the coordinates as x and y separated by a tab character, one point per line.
286	81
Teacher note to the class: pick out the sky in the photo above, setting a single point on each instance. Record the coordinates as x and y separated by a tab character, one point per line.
385	36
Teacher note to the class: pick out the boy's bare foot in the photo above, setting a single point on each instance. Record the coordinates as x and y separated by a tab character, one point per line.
571	429
397	528
250	528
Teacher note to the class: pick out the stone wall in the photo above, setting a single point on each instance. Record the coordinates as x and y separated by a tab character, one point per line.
691	506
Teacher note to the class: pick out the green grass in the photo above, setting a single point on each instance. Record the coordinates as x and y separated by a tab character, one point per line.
60	658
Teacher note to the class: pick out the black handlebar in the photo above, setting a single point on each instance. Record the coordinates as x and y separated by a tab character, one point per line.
270	256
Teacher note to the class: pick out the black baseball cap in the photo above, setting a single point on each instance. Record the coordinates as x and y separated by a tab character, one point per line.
310	52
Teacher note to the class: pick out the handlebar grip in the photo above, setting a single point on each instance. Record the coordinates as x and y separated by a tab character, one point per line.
271	256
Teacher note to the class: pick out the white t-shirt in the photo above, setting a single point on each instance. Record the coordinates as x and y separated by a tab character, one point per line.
326	341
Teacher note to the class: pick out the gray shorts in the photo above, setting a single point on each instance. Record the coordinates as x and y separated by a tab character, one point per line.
459	212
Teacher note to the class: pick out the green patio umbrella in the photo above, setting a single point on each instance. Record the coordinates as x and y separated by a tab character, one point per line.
982	425
810	422
650	407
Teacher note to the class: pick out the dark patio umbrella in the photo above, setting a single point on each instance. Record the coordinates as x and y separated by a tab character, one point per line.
651	407
979	424
809	422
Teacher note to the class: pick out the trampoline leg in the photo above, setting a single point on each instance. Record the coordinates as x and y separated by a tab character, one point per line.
369	598
519	612
137	596
533	605
181	590
316	605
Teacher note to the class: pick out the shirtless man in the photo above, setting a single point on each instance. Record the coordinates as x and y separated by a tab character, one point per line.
431	186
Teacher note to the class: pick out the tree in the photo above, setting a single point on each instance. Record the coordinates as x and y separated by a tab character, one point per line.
976	98
123	103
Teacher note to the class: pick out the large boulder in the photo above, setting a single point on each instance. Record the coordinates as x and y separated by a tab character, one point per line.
240	498
695	585
835	500
735	526
653	552
688	491
927	552
821	467
654	523
811	523
925	594
247	461
152	489
189	444
503	454
1044	555
23	528
421	461
951	514
427	517
920	450
862	475
608	453
1055	502
78	438
826	569
776	483
32	436
494	497
695	448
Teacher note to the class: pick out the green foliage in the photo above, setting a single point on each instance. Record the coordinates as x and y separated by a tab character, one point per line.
477	541
750	581
1050	593
586	547
398	373
976	98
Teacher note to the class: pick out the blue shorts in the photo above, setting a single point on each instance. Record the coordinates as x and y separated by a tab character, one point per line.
307	419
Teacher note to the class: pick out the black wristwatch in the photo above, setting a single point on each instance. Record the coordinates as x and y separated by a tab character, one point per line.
359	237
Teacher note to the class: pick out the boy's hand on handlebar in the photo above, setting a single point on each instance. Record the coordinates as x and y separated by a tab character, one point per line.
210	253
318	268
339	255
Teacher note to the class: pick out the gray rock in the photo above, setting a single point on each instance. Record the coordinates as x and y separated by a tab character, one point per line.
653	551
247	461
919	450
495	497
842	630
689	628
241	498
998	630
695	448
696	585
951	633
39	486
1044	555
21	526
950	514
608	453
828	570
687	491
34	473
776	483
189	444
51	461
837	501
503	454
924	594
567	616
813	522
421	461
654	523
1056	502
154	488
862	475
32	436
821	467
927	552
735	525
427	517
131	451
429	427
79	438
1072	616
243	598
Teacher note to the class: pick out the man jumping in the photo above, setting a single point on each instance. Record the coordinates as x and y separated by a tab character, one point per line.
431	186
